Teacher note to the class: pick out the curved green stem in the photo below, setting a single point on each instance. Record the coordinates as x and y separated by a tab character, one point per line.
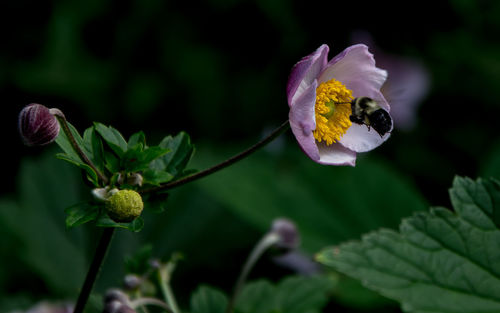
64	124
267	241
95	266
150	301
278	131
164	275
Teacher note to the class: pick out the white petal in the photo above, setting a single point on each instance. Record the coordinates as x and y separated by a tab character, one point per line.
358	138
336	154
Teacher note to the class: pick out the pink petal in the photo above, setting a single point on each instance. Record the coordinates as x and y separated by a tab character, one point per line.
303	121
355	68
305	72
336	154
358	138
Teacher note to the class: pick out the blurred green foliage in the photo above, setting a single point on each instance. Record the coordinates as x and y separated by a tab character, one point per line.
218	69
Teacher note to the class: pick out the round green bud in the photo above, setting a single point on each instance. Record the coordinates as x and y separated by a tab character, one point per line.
124	206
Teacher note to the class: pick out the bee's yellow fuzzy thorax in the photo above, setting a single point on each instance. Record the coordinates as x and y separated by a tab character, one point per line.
332	109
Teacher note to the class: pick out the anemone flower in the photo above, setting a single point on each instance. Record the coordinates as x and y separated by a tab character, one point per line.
319	96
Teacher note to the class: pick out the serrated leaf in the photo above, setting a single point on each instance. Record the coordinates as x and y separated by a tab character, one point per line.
105	221
208	300
113	138
181	151
137	159
80	214
439	261
112	163
138	138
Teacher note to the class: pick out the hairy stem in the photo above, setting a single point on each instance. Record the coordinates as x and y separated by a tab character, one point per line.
240	156
64	124
95	266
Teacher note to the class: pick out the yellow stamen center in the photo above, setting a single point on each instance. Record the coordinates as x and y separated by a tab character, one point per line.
332	108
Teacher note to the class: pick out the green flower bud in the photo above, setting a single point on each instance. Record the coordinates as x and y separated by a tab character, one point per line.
124	206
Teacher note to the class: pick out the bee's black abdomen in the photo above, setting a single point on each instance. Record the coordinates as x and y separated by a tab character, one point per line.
381	121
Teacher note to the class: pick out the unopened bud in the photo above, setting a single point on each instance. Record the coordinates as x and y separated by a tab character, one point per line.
135	179
124	206
132	281
37	124
115	295
287	231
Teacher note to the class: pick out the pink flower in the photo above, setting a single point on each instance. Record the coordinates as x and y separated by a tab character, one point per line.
319	96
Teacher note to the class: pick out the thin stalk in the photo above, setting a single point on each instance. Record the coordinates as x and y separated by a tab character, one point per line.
278	131
95	266
165	273
64	124
267	241
141	302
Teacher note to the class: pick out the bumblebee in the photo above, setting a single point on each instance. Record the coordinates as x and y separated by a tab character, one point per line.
366	111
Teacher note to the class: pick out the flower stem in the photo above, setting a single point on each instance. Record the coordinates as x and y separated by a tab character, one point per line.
164	275
240	156
267	241
150	301
95	266
64	124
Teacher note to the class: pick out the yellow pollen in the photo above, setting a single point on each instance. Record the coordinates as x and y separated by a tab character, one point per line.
332	108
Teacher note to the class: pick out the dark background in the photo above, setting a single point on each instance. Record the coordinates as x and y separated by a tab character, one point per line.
218	70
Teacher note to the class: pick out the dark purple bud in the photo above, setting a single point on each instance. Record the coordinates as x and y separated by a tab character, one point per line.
132	281
37	125
287	231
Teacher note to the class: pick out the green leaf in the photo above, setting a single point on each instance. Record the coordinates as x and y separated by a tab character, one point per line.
295	294
154	177
112	163
181	151
303	294
43	247
113	138
136	159
64	143
257	297
80	214
93	144
91	174
208	300
439	261
105	221
137	139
